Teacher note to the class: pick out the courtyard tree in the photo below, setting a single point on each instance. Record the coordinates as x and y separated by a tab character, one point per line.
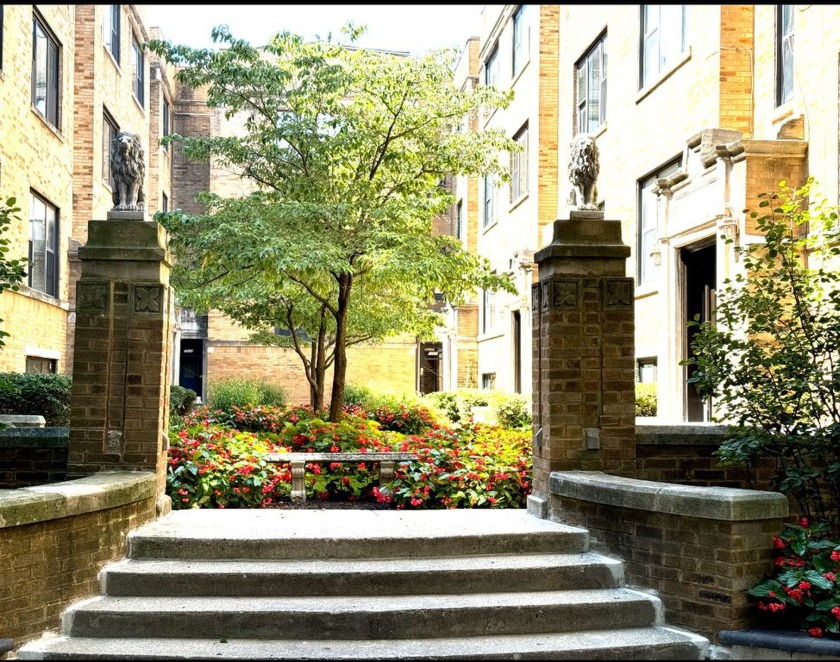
770	360
341	155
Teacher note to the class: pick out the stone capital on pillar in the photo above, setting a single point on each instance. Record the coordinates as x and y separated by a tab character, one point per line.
120	393
583	353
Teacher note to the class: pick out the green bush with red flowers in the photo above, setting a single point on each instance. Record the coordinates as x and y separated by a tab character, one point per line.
803	594
216	460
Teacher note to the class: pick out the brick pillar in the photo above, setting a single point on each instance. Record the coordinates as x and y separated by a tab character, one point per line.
583	354
119	406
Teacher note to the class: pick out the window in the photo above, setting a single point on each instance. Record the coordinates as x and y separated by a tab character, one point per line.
111	30
784	53
43	246
650	211
490	193
646	371
488	312
519	166
521	40
41	365
592	88
45	60
139	71
491	69
460	229
488	381
167	127
109	132
663	39
164	202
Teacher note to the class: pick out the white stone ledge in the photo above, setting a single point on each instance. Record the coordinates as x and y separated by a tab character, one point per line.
717	503
100	491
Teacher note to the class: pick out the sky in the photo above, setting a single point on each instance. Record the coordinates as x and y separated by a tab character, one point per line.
412	28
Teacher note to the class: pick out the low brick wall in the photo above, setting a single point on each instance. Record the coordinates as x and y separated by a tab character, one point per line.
684	454
32	456
54	539
699	548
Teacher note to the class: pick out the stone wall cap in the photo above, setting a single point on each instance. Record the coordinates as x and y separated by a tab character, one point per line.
23	420
106	489
717	503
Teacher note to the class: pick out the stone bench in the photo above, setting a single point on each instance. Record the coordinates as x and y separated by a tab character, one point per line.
298	461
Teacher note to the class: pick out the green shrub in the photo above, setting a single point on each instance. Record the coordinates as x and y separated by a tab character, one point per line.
235	392
36	394
443	403
646	399
512	410
181	401
357	394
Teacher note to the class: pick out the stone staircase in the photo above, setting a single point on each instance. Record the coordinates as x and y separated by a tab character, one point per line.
364	584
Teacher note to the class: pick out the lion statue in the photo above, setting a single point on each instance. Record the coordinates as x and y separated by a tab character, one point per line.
583	171
128	170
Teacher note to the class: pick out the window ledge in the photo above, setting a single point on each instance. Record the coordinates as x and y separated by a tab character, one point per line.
43	297
519	73
47	123
646	290
645	91
522	198
2	75
487	228
490	336
113	59
139	105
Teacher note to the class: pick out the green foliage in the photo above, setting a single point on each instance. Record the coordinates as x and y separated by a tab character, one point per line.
217	461
344	149
511	410
771	361
646	399
240	392
36	394
357	394
12	272
181	402
803	594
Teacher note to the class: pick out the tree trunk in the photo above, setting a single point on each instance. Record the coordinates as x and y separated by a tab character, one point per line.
319	357
345	282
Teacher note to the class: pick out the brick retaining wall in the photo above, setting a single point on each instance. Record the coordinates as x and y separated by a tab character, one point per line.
54	539
32	456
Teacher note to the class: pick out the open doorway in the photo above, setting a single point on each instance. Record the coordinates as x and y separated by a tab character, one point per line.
430	364
699	265
191	373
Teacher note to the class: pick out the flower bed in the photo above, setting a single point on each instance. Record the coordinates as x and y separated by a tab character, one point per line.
217	459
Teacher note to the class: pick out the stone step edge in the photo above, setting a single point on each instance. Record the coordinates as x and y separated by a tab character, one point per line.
643	641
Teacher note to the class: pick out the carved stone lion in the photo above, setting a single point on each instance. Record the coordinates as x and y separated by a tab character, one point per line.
583	171
128	170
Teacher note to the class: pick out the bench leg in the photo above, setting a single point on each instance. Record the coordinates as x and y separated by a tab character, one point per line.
298	486
386	471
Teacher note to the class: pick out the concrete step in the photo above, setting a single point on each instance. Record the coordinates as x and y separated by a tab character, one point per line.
363	617
657	643
362	534
472	574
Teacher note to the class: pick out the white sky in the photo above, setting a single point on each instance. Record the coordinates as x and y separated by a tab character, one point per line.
412	28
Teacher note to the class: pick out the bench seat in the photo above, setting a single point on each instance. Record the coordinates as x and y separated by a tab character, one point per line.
386	460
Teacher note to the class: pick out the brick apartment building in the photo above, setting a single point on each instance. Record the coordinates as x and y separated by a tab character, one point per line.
700	109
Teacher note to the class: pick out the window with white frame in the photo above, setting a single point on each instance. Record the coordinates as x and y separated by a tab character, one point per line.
109	132
592	88
43	246
488	312
166	122
663	39
138	65
650	212
460	222
521	39
111	30
491	69
164	202
38	364
519	165
45	71
784	54
490	198
488	381
646	370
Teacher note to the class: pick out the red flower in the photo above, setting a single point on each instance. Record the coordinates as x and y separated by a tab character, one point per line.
815	632
830	576
778	543
804	585
805	524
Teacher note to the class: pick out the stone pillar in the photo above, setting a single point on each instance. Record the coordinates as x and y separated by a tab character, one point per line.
121	368
583	354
